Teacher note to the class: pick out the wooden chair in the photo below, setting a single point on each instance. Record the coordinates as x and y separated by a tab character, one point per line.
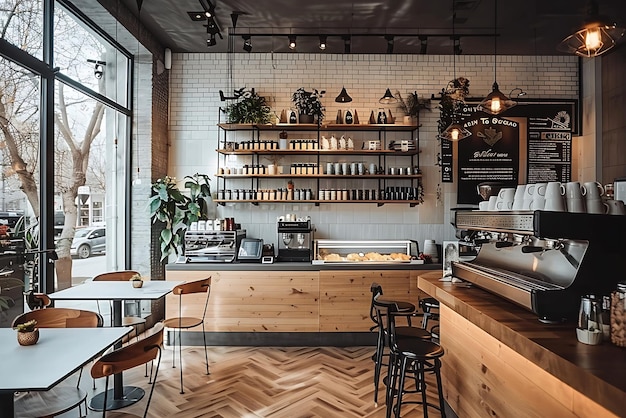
122	276
184	322
61	398
140	352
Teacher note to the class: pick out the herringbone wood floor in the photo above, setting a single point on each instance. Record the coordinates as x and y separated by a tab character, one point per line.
277	382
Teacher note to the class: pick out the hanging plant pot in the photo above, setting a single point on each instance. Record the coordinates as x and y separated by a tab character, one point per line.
28	337
306	118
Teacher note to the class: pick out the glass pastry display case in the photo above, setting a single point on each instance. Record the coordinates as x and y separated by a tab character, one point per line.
365	251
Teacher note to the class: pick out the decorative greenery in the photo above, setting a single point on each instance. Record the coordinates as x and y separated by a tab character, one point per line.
309	103
29	326
136	278
177	211
412	105
452	98
249	108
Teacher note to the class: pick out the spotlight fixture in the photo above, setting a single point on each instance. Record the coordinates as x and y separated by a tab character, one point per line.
98	68
423	44
211	40
247	43
519	91
389	39
496	102
322	42
292	41
595	37
347	41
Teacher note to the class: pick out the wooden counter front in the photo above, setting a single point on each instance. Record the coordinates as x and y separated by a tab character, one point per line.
501	361
279	300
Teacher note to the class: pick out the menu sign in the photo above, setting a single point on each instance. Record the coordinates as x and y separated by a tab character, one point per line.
491	154
549	143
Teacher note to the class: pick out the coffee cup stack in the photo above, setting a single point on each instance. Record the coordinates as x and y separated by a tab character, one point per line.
529	191
574	197
504	201
615	207
518	198
555	200
593	192
539	197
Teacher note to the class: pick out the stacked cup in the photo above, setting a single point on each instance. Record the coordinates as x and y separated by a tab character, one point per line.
555	200
574	197
539	196
504	201
529	191
518	198
593	191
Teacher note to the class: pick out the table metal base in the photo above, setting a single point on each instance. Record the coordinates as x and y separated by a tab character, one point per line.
132	394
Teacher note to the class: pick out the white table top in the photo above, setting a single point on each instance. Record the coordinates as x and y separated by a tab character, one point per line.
106	290
58	353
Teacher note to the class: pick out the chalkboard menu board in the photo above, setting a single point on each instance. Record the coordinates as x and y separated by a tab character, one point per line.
490	154
549	143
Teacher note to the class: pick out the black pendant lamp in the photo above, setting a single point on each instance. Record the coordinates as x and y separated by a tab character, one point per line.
343	97
496	102
455	132
596	36
387	98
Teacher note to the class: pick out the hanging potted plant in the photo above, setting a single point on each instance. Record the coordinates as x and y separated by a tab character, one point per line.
176	211
249	108
309	105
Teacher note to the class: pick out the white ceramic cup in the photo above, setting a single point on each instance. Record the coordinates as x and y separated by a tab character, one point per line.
492	202
616	207
556	204
530	191
596	206
505	199
271	169
518	198
592	190
576	205
484	205
540	190
573	190
555	189
538	203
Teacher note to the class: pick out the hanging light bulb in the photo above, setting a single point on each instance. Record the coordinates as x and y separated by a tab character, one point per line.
595	37
455	132
343	97
387	98
496	102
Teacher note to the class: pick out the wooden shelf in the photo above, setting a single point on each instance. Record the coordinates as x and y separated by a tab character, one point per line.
320	176
315	127
316	152
378	202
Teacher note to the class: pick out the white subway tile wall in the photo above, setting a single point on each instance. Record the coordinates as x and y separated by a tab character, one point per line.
196	79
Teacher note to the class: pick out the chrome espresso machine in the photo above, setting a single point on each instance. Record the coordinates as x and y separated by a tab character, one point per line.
543	261
211	246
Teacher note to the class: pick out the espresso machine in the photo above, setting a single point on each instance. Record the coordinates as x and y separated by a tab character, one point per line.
295	241
543	261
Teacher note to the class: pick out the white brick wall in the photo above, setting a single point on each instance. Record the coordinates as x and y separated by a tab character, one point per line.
197	78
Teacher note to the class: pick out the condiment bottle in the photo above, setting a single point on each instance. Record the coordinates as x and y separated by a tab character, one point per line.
589	329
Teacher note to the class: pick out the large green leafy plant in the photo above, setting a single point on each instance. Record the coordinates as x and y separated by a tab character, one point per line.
176	211
309	103
249	108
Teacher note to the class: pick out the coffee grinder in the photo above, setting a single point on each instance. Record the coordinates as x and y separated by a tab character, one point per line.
295	241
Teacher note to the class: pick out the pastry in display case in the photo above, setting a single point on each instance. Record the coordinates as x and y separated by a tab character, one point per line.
366	251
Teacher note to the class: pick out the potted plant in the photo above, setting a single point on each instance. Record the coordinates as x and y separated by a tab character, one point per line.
136	280
176	211
249	108
27	332
412	106
309	105
452	97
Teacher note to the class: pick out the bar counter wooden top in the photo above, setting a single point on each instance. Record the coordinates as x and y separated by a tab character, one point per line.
597	372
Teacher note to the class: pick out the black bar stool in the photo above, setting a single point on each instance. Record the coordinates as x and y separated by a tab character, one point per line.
428	305
404	309
408	356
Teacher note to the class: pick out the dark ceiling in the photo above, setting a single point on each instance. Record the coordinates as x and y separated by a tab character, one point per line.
525	27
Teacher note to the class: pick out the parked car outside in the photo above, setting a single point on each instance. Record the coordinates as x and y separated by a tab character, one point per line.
88	241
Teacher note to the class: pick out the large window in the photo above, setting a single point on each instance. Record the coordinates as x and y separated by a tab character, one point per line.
81	142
